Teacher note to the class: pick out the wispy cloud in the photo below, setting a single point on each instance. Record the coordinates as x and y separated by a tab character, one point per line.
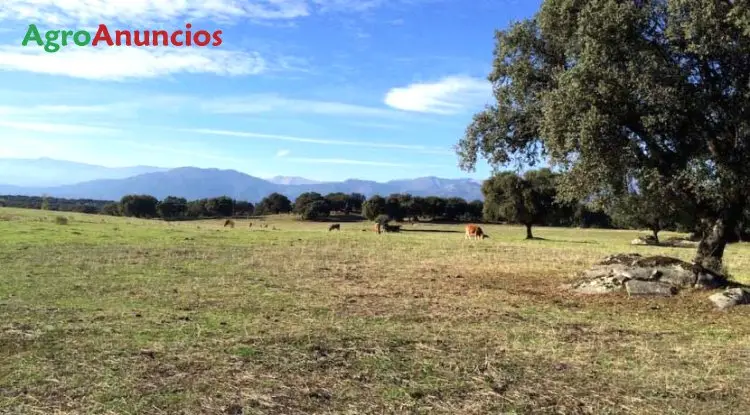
197	154
42	110
119	64
358	162
371	144
144	12
55	128
262	103
282	153
377	125
448	96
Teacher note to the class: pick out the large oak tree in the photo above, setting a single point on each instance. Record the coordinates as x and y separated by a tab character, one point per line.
608	89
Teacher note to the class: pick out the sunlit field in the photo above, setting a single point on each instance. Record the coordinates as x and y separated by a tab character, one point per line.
105	315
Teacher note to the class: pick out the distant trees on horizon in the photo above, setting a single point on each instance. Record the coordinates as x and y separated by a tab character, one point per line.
529	199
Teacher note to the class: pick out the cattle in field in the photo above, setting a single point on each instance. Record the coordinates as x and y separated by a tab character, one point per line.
475	232
250	225
229	223
377	228
335	226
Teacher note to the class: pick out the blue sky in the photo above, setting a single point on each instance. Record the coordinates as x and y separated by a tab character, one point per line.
324	89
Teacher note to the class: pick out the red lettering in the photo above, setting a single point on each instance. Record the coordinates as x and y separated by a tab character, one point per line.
102	34
146	41
205	35
174	40
164	36
217	38
188	34
119	35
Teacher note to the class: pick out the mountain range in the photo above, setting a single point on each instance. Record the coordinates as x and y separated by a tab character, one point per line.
66	179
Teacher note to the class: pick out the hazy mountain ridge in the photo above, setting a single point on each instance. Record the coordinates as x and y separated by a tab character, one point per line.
291	180
196	183
50	172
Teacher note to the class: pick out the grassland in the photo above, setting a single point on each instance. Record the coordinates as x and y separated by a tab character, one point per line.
121	316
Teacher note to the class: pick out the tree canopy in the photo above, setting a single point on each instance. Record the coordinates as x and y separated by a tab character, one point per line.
655	205
526	200
274	203
606	90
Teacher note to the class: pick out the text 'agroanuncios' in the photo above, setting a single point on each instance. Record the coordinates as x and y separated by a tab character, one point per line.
54	40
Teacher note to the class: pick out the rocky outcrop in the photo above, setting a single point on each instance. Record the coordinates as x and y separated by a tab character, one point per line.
639	275
656	276
674	242
644	240
679	243
730	298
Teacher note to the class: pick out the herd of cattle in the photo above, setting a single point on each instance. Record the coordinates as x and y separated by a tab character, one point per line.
472	231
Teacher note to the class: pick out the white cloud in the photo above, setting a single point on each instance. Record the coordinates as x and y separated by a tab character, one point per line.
282	153
347	5
254	104
448	96
245	134
45	110
359	162
41	127
196	153
145	12
123	63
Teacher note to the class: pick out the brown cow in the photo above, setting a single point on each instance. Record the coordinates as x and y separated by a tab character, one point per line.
475	232
334	226
377	228
229	223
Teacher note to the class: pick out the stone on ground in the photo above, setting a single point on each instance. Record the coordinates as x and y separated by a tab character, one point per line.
649	288
730	298
660	272
644	240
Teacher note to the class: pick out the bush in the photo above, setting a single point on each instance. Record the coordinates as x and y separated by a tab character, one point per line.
315	210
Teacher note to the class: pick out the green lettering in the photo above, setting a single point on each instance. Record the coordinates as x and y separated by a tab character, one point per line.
66	34
32	34
51	37
86	38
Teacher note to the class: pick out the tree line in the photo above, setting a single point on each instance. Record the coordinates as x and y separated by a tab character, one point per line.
531	199
315	206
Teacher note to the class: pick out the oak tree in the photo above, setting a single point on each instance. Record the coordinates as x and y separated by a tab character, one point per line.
605	89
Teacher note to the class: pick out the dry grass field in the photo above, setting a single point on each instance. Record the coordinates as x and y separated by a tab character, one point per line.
121	316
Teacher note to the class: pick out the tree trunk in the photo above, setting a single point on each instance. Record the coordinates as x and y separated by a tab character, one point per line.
656	234
713	241
528	231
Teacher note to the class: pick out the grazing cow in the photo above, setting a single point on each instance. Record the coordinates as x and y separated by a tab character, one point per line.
334	226
475	232
229	223
377	228
250	225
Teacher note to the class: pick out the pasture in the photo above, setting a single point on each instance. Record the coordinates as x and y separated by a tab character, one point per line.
108	315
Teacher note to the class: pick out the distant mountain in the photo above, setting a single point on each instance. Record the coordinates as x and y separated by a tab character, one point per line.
291	180
188	182
196	183
44	172
423	186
